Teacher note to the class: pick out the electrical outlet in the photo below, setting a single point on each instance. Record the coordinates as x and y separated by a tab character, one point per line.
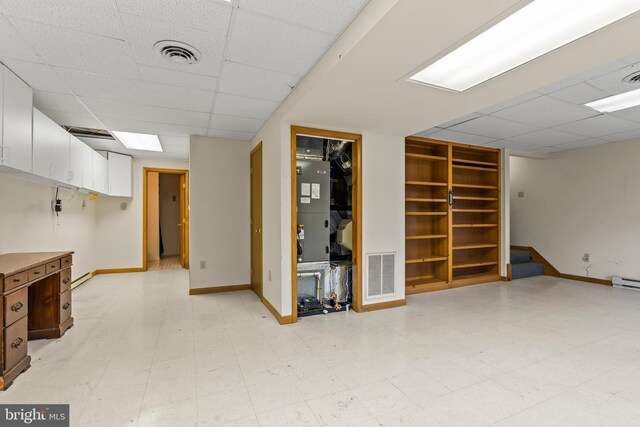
520	194
203	265
586	258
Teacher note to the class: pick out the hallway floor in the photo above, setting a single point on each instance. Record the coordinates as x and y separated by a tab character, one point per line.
537	351
165	263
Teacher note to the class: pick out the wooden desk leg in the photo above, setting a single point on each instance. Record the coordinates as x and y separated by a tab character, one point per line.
7	378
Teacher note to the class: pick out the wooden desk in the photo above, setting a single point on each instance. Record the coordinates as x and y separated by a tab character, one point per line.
36	303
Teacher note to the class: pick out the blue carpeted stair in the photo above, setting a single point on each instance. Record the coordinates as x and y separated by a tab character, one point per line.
522	266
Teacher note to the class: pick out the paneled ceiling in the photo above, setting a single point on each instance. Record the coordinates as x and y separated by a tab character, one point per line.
552	118
92	63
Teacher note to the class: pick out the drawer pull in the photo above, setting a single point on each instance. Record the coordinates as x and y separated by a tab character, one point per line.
17	343
16	280
66	280
36	272
17	306
65	306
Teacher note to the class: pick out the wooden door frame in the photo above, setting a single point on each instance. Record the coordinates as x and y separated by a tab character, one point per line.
184	214
255	150
356	201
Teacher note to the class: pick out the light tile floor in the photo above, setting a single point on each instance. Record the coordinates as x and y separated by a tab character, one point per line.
535	352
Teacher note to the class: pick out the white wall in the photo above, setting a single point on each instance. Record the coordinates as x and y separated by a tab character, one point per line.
170	213
220	218
28	225
120	231
581	201
383	203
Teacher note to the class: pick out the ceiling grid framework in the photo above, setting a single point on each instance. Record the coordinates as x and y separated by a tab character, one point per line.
92	64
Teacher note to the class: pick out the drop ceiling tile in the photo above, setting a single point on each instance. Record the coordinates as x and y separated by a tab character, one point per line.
493	127
177	78
57	101
327	15
545	112
182	141
231	105
601	125
92	84
148	93
266	43
204	15
580	144
611	82
147	113
72	119
79	51
459	120
13	44
128	125
513	145
143	33
465	138
580	93
95	16
428	132
623	136
228	134
241	124
38	76
632	114
511	102
547	137
547	150
244	80
584	76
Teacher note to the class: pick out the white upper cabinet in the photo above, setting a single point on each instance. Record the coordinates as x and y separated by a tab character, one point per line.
50	149
100	174
76	159
17	114
119	175
87	167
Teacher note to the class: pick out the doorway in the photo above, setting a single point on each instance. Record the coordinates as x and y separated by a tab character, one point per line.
165	219
256	219
333	248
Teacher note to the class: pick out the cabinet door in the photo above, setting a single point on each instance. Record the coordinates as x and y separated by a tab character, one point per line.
87	167
75	174
100	173
119	175
17	123
50	148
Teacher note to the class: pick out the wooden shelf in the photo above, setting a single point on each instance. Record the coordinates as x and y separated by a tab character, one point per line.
483	187
474	225
475	246
476	264
426	213
475	162
475	210
460	280
426	285
415	199
427	183
427	237
486	199
424	156
475	168
423	260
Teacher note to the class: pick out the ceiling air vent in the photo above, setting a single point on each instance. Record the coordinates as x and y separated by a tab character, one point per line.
177	52
632	79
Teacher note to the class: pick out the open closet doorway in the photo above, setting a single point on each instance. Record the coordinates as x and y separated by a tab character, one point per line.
165	219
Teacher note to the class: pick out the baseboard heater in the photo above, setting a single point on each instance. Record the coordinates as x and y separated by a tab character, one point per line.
625	282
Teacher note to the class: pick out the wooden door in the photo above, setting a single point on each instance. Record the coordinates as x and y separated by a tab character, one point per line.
183	222
256	220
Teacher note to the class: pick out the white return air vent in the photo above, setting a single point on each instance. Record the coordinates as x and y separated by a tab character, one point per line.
624	282
381	275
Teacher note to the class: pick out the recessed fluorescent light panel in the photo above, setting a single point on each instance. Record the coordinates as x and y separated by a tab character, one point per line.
538	28
616	102
139	141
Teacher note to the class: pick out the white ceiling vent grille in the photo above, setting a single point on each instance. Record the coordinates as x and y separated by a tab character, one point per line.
381	273
177	52
632	79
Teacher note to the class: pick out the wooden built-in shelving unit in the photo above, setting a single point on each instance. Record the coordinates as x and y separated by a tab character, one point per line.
458	244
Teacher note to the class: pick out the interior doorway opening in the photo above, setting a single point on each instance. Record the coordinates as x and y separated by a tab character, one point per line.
165	245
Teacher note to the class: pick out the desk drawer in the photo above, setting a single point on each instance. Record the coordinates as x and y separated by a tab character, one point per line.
16	305
65	306
65	280
66	262
15	280
36	273
15	343
52	266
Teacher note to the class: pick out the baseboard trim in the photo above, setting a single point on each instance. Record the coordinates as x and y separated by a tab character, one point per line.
283	320
504	279
81	280
384	305
219	289
118	270
604	282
